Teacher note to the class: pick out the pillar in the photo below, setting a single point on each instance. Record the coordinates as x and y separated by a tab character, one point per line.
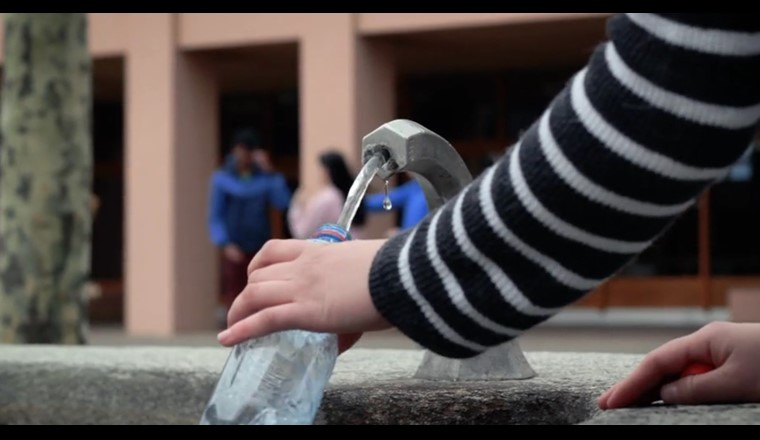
171	125
343	99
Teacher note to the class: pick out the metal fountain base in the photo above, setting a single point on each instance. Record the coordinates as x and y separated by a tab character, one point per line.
505	362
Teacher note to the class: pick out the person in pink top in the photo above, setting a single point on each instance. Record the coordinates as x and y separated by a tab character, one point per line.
310	210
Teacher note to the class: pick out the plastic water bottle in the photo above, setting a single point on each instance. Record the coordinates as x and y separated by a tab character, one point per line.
278	379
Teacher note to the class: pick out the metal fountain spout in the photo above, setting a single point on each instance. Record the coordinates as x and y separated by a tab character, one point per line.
409	147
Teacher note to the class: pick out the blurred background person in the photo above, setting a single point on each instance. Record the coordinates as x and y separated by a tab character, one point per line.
323	204
243	191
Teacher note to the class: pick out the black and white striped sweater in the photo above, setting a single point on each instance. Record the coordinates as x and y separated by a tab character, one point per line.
662	110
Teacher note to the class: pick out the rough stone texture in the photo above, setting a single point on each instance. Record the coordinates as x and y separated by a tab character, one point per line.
159	385
87	385
45	178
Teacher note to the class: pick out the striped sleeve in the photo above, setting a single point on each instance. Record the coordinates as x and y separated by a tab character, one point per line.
661	111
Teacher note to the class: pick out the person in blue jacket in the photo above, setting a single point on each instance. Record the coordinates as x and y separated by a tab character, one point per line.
407	197
242	191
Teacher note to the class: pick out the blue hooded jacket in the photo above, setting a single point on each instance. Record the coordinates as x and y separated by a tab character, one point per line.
239	206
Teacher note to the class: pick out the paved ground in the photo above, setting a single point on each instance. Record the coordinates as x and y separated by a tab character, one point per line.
163	385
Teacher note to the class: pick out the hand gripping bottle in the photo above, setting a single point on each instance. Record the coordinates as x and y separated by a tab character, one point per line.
278	379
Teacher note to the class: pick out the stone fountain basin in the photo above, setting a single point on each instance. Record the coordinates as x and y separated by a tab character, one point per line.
160	385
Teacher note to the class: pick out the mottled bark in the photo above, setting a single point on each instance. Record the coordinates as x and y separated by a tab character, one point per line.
45	179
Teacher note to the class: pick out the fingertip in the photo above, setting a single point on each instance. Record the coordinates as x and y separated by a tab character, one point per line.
224	337
616	398
259	324
669	393
601	401
233	336
610	401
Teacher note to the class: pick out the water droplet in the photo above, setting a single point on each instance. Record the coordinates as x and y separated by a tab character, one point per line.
387	205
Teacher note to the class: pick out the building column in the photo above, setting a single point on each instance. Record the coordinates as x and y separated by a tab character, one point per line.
346	98
171	269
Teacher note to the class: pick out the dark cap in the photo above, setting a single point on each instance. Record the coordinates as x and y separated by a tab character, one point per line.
248	138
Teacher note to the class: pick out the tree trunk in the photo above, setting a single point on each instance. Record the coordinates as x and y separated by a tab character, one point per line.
45	179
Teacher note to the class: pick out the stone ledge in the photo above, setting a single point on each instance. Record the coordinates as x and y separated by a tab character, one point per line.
160	385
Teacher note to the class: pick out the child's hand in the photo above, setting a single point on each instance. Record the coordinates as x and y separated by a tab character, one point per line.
296	284
732	349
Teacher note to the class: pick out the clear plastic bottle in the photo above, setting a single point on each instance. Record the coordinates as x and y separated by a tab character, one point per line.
278	379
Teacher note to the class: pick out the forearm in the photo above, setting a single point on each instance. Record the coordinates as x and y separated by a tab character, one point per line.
627	147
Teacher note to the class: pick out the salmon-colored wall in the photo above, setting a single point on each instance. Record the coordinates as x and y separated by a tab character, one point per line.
204	31
196	268
388	23
327	91
171	268
375	105
343	100
109	33
150	121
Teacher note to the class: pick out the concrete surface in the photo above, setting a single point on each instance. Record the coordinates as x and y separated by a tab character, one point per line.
170	385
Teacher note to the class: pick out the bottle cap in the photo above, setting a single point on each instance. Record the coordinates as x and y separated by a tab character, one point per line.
331	233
